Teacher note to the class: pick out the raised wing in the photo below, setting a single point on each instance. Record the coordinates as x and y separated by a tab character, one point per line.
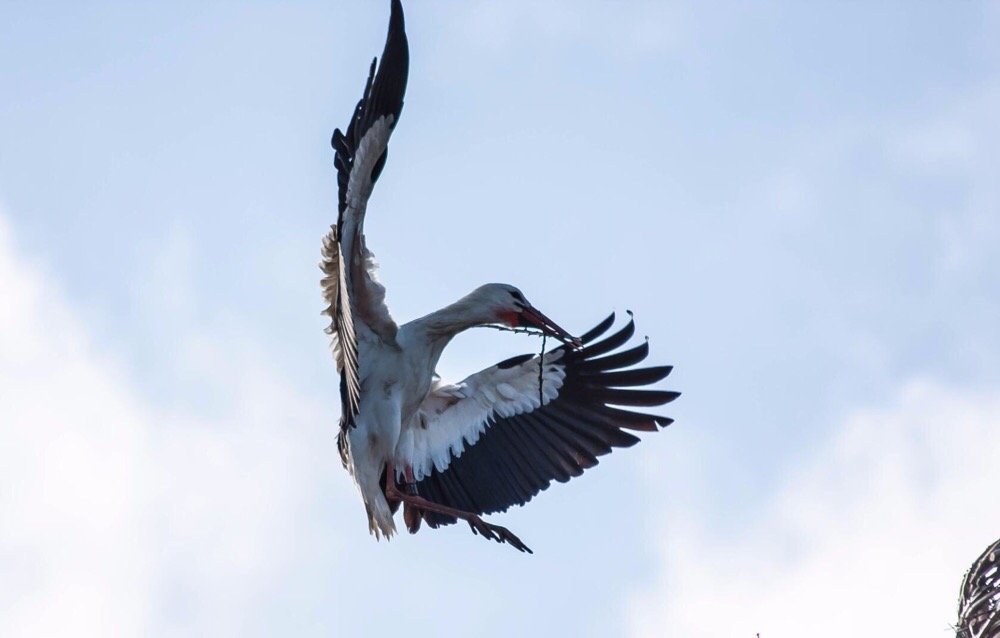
355	298
492	441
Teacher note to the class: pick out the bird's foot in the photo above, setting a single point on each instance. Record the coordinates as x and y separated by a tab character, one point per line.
497	533
412	515
415	505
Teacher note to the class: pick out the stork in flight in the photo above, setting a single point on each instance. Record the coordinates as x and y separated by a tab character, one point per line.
458	451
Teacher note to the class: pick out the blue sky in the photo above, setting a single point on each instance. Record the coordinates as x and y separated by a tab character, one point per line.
798	201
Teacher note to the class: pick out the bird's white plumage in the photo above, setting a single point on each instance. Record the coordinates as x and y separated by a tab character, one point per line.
453	416
355	296
367	294
335	290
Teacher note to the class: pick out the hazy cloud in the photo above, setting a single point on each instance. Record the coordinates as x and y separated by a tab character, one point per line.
121	518
871	535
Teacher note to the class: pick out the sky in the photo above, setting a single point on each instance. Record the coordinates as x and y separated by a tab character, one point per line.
798	201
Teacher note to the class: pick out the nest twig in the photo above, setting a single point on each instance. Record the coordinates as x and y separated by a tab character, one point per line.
979	600
523	331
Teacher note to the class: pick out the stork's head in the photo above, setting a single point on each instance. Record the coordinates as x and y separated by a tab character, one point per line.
507	306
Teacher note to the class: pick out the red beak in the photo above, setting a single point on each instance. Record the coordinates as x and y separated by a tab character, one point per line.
533	318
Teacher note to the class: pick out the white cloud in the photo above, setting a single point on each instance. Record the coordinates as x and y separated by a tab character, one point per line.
870	537
121	518
70	441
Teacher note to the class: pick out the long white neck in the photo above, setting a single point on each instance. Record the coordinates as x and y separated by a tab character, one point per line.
432	333
447	322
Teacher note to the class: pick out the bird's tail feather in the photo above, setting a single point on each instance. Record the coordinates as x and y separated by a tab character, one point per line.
380	521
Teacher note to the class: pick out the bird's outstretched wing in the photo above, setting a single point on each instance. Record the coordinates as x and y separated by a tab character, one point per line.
494	440
355	298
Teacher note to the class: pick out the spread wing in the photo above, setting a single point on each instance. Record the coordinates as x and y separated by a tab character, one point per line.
355	298
493	441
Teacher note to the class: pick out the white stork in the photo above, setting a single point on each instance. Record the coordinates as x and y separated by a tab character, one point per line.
458	451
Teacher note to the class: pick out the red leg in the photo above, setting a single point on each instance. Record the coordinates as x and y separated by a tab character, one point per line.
412	515
478	525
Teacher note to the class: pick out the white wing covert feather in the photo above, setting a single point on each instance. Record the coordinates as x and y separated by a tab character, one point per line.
453	416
